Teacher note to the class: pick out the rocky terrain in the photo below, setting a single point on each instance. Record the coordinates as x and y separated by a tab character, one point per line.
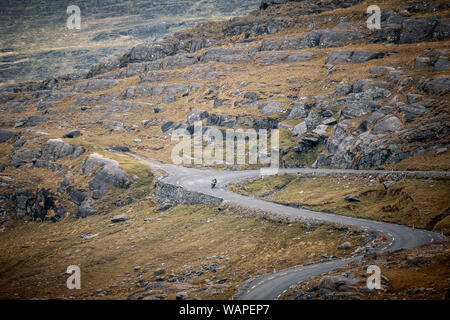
36	44
407	275
343	96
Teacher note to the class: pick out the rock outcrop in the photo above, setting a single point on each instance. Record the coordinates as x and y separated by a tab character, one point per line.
5	135
106	173
37	204
56	148
169	193
239	75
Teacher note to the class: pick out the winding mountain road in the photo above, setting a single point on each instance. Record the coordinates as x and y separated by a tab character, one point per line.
271	286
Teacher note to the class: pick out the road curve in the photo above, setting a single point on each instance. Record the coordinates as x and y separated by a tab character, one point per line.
271	286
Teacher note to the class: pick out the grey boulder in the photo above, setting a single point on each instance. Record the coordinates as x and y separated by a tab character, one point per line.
442	63
353	56
388	125
148	52
417	30
352	198
73	134
56	148
270	108
108	174
412	112
5	135
119	218
94	84
345	245
299	110
85	209
299	129
434	85
388	184
197	115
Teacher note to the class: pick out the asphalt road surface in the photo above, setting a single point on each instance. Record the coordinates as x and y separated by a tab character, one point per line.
271	286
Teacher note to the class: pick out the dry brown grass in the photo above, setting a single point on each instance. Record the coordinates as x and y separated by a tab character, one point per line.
414	202
181	236
424	161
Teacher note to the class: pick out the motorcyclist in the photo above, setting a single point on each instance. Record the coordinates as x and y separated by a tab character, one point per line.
213	183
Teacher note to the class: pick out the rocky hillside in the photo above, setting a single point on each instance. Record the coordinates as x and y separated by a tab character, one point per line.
36	43
342	96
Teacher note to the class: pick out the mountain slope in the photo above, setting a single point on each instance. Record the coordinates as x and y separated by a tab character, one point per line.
343	96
